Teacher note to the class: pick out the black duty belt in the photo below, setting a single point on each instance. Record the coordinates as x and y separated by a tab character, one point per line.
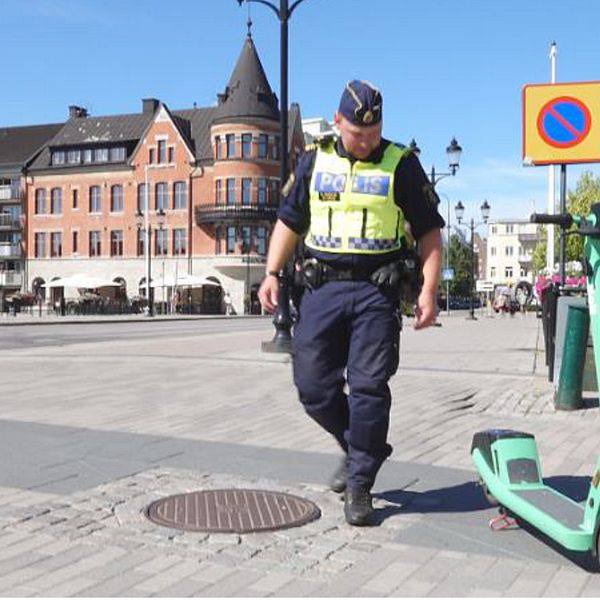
315	273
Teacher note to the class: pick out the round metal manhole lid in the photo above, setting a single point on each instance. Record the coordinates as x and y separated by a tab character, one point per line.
232	511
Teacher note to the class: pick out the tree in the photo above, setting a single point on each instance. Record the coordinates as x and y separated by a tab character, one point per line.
579	201
460	261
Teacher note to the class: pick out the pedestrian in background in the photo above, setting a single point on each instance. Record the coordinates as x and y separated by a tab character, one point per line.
350	200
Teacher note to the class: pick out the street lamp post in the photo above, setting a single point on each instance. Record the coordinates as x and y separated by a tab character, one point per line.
453	151
148	248
282	342
472	225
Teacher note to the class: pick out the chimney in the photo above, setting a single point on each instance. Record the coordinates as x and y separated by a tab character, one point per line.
149	105
77	112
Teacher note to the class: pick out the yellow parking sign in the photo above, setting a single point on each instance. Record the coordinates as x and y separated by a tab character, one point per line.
561	123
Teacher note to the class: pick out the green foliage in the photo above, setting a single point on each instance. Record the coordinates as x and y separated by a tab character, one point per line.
586	193
460	261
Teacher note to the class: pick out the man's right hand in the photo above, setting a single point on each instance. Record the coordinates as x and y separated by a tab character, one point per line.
268	293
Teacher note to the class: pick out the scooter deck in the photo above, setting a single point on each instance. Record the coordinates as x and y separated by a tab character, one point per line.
556	515
558	507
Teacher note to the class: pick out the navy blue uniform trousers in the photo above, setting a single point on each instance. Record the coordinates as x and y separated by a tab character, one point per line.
348	331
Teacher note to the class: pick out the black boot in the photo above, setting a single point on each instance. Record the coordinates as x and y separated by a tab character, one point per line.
337	483
358	505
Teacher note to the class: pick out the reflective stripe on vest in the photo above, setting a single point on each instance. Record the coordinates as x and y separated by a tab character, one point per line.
352	205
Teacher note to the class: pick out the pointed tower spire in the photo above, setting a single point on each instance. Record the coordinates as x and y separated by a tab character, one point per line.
248	93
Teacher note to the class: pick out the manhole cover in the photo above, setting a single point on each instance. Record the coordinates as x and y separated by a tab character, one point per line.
232	511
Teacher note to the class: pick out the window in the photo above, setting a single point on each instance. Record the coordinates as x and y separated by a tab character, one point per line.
218	189
263	145
262	191
141	198
246	191
218	147
492	272
246	145
117	154
179	242
231	191
161	242
230	143
275	148
141	242
74	157
162	151
101	155
55	244
246	239
95	243
151	155
56	201
58	157
274	192
231	237
179	195
75	198
494	230
508	272
88	155
95	199
493	251
170	154
116	243
261	240
116	198
162	196
75	242
508	251
40	245
509	228
40	202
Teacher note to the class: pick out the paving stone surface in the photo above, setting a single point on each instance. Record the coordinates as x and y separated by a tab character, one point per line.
92	433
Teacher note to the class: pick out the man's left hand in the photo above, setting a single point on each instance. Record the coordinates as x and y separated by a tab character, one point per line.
425	309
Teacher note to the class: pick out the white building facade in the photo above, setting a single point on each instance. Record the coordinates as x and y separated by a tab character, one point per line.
510	246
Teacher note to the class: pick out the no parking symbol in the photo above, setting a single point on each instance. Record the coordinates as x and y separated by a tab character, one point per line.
564	122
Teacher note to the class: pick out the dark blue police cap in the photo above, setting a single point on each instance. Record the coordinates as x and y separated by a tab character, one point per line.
361	103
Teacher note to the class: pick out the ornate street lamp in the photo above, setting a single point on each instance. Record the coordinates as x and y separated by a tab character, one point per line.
282	342
459	210
453	151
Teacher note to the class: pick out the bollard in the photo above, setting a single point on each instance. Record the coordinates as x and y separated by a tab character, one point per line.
549	301
568	393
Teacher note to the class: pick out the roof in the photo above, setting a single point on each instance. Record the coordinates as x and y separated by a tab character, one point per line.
248	93
19	144
247	97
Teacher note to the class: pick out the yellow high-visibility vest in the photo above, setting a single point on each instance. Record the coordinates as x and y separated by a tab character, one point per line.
352	205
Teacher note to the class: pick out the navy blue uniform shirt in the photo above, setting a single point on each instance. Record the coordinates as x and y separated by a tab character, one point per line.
413	193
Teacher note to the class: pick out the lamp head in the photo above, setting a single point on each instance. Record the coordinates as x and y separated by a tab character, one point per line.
459	209
485	211
414	148
453	151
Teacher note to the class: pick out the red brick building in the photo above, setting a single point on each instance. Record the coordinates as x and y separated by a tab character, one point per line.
211	176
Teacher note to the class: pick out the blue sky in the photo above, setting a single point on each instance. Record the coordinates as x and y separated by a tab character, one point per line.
446	68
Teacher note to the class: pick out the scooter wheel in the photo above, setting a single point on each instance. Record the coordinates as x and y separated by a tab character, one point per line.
490	499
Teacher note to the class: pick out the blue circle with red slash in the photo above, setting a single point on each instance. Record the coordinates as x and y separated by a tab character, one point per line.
564	122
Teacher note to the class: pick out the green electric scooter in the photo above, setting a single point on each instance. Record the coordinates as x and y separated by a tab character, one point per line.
508	461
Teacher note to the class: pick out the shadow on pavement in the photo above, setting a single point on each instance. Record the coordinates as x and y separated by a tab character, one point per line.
468	497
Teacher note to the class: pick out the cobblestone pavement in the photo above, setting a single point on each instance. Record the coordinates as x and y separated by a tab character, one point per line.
91	434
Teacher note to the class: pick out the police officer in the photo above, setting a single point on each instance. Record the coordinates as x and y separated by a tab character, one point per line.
351	200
